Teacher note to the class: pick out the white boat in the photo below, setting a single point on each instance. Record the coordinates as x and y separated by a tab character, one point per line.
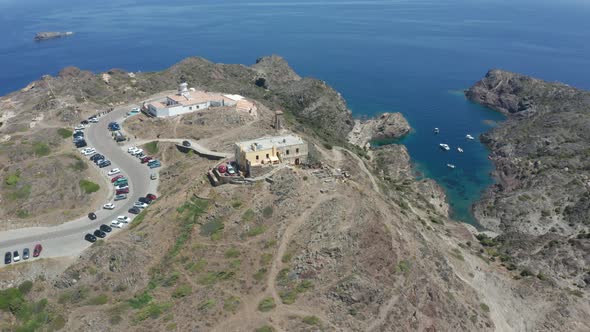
436	131
459	149
450	166
444	146
469	137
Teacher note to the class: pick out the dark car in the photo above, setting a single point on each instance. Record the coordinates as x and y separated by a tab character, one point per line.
84	122
145	159
8	258
92	215
105	163
78	134
122	191
81	144
186	143
26	253
134	210
99	233
96	157
105	228
90	238
145	200
37	250
151	196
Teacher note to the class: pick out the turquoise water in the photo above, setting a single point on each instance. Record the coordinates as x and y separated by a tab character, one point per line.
409	56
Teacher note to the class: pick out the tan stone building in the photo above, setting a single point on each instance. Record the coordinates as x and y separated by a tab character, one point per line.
290	149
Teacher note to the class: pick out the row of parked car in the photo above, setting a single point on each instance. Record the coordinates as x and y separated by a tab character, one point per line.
78	135
10	257
150	161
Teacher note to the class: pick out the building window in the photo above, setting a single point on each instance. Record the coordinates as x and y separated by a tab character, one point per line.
267	156
257	157
287	152
297	150
190	108
197	106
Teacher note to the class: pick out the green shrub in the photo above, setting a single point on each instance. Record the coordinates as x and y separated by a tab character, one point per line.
259	275
264	328
328	146
248	215
288	297
41	149
152	310
267	212
236	204
231	304
256	230
526	273
182	291
304	286
25	287
484	307
64	133
152	147
140	301
89	187
206	305
212	227
21	193
311	320
21	213
213	277
403	266
267	304
12	179
232	253
99	300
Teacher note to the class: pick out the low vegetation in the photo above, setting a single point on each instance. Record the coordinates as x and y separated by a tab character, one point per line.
152	147
89	187
267	304
64	133
41	149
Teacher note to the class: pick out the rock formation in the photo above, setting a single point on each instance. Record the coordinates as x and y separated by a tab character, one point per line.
386	126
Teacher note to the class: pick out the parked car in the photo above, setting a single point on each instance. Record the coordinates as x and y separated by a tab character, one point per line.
97	158
122	191
37	250
145	159
84	122
81	144
134	210
140	205
155	165
79	127
151	196
154	176
108	206
91	216
121	182
132	149
114	171
121	187
99	233
90	238
116	224
8	258
15	256
186	143
82	151
93	120
222	169
136	152
26	253
140	155
120	138
105	228
117	178
231	170
123	219
120	197
104	164
145	200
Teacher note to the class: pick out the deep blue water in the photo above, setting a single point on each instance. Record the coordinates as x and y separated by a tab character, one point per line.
409	56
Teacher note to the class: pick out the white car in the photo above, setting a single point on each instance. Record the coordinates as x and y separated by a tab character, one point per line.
123	219
136	152
132	149
82	151
79	127
121	187
140	205
116	224
114	171
108	206
93	120
16	257
90	151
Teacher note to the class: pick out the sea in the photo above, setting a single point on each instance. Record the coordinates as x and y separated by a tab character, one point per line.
409	56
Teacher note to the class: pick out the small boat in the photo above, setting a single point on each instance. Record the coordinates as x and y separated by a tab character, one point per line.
450	166
469	137
436	131
459	149
444	146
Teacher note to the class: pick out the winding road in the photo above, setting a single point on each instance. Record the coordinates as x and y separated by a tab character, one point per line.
67	239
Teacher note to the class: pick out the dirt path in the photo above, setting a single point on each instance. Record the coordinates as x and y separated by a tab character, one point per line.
361	164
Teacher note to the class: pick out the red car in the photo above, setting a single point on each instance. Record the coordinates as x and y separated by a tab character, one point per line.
151	197
145	159
222	169
37	250
117	178
122	191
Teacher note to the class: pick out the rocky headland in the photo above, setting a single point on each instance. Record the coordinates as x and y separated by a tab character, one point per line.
541	203
386	126
51	35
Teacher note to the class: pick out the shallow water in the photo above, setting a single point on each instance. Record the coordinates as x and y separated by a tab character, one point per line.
415	57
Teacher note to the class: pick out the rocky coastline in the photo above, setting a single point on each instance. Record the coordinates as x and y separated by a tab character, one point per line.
385	126
541	203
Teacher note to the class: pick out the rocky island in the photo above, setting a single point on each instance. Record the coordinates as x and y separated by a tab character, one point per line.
51	35
350	241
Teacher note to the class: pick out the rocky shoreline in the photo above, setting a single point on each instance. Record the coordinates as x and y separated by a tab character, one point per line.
386	126
541	156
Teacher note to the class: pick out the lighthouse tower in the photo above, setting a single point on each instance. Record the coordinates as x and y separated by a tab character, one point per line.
183	90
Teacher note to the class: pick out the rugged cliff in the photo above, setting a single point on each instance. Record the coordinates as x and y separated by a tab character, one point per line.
541	203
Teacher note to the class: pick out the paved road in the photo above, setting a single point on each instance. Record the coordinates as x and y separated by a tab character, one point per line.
68	239
195	146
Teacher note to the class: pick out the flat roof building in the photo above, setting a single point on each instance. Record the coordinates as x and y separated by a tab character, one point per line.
290	149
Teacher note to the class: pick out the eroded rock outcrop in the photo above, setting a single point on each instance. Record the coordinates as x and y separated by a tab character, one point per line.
386	126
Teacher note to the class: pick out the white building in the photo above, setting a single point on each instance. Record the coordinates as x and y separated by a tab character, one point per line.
186	101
